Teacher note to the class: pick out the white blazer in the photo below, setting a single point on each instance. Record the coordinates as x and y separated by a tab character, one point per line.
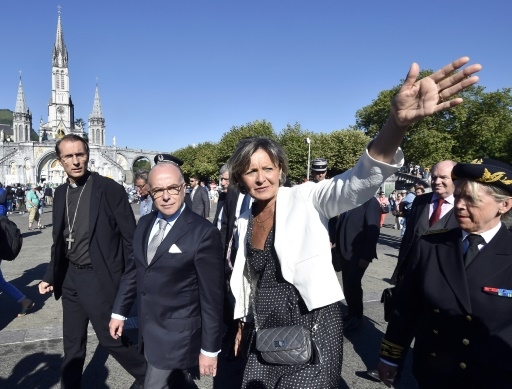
301	236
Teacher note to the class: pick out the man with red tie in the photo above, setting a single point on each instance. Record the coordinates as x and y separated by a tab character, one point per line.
429	211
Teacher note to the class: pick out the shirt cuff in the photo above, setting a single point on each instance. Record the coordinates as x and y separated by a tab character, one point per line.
118	317
388	363
210	354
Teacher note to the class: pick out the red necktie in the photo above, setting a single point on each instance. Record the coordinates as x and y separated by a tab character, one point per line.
436	215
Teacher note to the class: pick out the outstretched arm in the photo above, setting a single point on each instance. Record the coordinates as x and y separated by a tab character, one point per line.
418	99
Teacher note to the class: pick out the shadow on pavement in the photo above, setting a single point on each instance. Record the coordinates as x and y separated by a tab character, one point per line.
96	373
11	308
37	371
389	240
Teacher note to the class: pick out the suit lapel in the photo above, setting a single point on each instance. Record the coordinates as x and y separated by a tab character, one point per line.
181	227
94	208
145	235
451	263
423	219
59	209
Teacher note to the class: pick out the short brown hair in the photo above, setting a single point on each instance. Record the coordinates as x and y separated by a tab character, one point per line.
241	158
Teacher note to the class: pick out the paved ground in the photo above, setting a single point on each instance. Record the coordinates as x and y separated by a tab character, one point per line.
31	346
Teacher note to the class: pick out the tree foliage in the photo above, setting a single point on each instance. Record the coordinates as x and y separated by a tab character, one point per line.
141	164
480	127
341	148
230	139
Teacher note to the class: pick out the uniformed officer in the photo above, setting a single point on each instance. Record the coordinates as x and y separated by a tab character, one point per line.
456	296
319	168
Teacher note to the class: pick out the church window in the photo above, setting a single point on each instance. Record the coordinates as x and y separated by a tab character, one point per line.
62	84
27	137
57	81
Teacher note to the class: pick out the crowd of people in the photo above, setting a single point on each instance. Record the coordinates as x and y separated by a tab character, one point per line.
260	281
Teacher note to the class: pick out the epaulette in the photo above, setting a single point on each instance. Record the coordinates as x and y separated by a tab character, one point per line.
432	232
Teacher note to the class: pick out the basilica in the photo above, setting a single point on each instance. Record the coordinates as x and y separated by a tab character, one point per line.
27	161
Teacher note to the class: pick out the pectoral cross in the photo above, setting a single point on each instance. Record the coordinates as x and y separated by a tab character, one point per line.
70	240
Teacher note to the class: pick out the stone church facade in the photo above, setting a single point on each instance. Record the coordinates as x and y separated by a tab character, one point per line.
28	162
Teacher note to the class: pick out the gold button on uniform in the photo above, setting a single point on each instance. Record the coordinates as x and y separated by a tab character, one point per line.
469	318
465	342
462	365
435	332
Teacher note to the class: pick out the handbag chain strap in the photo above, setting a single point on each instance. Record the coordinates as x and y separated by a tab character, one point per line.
316	315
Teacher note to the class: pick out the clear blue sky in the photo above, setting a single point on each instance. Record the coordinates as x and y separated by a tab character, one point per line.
173	73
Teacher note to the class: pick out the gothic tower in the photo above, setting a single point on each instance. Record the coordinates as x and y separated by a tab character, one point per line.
96	123
22	118
61	111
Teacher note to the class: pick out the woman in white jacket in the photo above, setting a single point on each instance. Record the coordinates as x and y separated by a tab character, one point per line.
283	264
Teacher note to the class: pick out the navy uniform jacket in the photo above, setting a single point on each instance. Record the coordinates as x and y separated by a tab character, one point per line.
462	333
180	294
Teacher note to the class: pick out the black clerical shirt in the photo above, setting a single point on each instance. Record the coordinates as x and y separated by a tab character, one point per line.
79	252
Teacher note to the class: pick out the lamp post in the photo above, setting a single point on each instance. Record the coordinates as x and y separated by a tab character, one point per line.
308	141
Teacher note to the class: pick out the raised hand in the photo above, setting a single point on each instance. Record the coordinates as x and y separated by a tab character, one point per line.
418	99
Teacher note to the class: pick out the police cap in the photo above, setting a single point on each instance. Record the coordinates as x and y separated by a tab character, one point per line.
319	165
485	171
168	158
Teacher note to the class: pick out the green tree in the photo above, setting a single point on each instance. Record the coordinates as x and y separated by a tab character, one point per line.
230	139
141	164
484	125
199	159
292	139
480	127
343	149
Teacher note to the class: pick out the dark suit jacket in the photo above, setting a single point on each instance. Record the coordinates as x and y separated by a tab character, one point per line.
201	202
453	320
416	226
111	228
358	232
180	294
229	219
220	205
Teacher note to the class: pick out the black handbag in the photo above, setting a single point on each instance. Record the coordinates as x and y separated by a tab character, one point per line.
384	208
285	345
387	299
291	345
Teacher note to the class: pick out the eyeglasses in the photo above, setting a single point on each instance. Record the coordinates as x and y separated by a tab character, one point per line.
69	157
172	190
140	186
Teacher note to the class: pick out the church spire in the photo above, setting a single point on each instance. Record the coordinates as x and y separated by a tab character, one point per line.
96	108
60	53
96	125
21	105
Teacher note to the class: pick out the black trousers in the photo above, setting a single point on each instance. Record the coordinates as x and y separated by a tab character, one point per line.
83	301
351	275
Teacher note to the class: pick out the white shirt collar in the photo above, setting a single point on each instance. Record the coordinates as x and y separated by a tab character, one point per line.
487	235
450	199
171	219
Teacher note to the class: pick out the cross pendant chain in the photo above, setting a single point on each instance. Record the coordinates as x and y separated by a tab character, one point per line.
70	240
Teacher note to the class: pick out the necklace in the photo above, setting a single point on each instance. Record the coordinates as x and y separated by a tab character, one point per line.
261	224
70	239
